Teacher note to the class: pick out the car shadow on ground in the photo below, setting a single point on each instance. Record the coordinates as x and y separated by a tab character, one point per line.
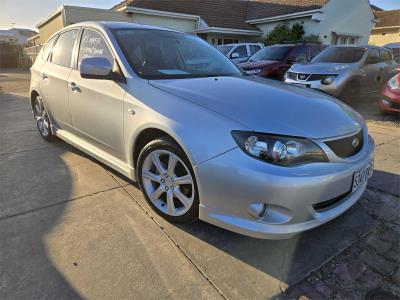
28	184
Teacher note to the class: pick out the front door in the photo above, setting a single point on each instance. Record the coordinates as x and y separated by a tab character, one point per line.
97	104
373	73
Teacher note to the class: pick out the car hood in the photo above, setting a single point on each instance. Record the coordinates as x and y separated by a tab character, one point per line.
320	68
268	106
248	65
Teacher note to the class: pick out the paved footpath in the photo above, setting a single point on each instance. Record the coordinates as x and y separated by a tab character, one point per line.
71	228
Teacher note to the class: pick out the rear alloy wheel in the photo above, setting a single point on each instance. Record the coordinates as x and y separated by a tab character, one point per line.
42	119
167	181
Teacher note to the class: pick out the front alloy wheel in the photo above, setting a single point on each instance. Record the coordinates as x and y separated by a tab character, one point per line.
42	119
167	181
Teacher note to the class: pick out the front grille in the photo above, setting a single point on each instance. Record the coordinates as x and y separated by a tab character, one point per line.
347	146
322	206
305	76
394	105
316	77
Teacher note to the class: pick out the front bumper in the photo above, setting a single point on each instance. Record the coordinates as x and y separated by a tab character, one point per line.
334	89
229	183
389	101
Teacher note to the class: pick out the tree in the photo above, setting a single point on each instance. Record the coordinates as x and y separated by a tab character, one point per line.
284	33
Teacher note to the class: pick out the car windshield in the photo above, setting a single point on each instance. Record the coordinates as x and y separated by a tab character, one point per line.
340	55
276	53
162	54
224	49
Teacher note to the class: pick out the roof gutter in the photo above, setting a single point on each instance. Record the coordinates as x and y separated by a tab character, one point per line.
305	13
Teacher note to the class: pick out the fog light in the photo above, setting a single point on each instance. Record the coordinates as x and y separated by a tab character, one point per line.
328	80
257	210
385	102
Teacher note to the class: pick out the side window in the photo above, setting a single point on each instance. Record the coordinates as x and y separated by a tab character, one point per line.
386	55
47	47
373	56
94	45
254	49
299	53
241	50
62	51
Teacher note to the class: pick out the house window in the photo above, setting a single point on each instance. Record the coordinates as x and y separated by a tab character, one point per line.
340	39
222	41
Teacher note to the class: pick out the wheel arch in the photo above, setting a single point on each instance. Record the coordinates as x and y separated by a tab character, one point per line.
148	134
34	94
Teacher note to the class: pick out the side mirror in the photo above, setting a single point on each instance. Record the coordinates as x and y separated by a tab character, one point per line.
96	68
235	55
292	60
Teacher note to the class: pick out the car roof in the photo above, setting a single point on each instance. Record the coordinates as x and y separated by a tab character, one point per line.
116	25
355	46
240	44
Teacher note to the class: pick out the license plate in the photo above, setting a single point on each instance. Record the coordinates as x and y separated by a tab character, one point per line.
360	177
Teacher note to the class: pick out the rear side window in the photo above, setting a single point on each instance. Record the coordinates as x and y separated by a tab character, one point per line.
62	50
94	45
47	47
373	54
241	50
254	49
386	55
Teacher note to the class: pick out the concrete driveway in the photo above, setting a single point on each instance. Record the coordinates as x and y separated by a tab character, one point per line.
72	228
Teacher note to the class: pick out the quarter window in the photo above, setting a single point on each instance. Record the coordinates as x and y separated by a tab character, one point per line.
62	51
94	45
47	47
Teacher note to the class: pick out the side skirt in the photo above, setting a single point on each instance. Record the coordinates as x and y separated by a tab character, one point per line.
100	155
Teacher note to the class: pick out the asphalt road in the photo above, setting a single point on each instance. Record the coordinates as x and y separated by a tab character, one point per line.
72	228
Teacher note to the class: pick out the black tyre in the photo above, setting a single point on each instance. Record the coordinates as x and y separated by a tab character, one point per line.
42	119
167	181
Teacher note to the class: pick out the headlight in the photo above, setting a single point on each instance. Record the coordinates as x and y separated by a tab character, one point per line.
279	150
254	71
394	83
328	79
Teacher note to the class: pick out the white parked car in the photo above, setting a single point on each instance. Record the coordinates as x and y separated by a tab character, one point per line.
240	52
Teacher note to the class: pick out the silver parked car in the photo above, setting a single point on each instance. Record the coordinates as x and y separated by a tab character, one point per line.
345	71
240	52
204	141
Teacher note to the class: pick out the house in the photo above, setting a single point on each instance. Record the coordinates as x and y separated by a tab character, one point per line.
387	28
227	21
224	21
18	35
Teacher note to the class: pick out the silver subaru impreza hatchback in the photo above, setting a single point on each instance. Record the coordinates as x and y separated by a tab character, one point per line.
202	138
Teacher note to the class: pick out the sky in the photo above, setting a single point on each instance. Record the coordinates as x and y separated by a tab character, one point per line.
27	13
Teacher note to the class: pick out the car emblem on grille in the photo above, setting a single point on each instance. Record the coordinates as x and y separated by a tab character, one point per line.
302	76
355	142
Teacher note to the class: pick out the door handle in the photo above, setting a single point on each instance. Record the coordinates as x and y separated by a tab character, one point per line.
44	76
74	87
131	111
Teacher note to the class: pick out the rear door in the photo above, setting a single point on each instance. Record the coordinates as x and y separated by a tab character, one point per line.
53	84
387	64
97	104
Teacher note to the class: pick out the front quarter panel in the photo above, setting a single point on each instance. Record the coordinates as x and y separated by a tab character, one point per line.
202	133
